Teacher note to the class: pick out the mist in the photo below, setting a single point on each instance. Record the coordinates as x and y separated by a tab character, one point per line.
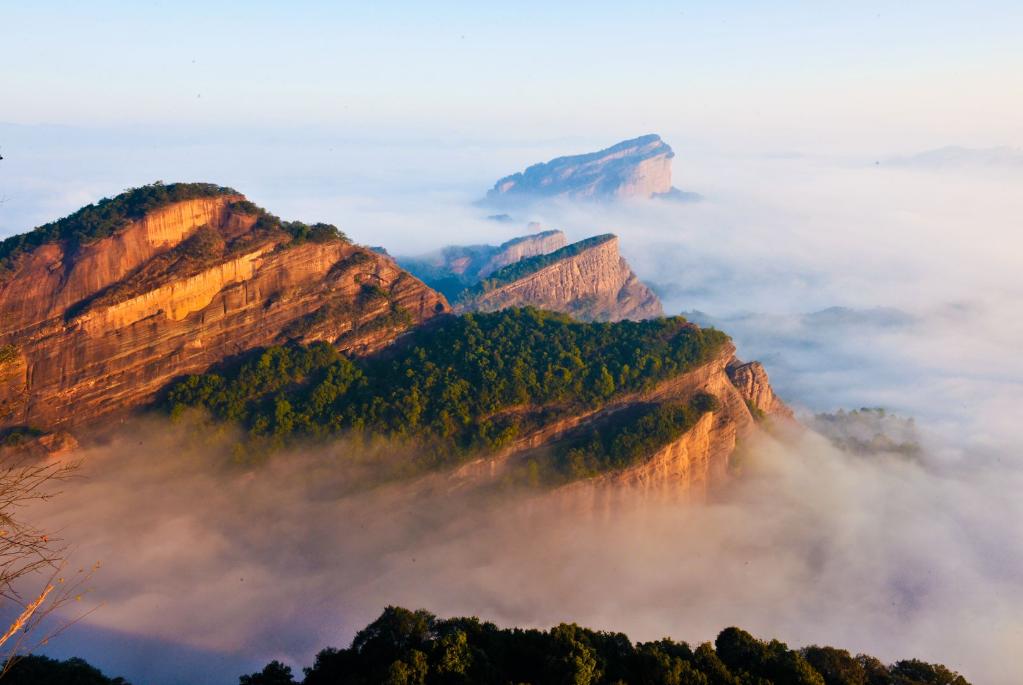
857	283
807	544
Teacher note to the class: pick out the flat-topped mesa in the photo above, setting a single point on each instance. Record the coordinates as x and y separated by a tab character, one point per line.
588	280
102	309
637	168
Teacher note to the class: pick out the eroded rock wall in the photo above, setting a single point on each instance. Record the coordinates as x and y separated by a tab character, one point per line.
82	356
594	285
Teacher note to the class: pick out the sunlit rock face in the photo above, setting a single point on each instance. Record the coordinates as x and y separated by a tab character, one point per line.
637	168
100	328
595	284
687	468
466	264
751	380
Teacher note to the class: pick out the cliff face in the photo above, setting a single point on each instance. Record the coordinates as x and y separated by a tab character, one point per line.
456	267
751	380
594	284
640	167
517	249
686	469
102	327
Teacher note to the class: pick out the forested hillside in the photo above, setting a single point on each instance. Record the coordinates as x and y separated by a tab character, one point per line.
466	384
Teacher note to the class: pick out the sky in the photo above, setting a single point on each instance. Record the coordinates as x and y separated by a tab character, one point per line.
909	74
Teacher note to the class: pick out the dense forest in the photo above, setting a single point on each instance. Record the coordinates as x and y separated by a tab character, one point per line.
459	386
405	647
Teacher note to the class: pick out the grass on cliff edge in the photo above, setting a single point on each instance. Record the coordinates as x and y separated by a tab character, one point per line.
463	385
104	218
530	265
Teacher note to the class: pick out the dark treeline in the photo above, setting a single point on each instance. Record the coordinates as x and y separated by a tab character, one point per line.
463	385
405	647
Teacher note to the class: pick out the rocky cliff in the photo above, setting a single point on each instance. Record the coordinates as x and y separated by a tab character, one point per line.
639	168
456	267
96	325
588	280
685	468
751	380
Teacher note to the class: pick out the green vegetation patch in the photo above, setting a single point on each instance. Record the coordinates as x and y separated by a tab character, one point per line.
531	265
415	647
18	435
459	386
623	441
104	218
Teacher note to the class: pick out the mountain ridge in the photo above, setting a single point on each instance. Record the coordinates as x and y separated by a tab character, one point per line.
635	168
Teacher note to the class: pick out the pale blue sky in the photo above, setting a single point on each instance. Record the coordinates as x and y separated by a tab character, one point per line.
812	72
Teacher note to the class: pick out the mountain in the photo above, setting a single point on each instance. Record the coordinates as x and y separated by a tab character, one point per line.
456	267
194	296
516	396
589	280
639	168
105	307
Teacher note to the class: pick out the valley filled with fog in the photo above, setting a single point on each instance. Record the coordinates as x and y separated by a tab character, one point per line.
857	280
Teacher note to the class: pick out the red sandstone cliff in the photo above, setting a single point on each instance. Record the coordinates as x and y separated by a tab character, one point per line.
594	284
88	330
686	468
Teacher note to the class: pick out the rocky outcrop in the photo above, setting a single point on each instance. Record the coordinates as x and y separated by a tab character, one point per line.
517	249
686	468
457	267
751	380
99	328
638	168
591	283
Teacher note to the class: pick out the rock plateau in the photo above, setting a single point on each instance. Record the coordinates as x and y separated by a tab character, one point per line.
637	168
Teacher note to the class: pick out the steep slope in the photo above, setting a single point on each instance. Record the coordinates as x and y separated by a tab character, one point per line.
686	467
639	168
456	267
519	395
99	315
588	280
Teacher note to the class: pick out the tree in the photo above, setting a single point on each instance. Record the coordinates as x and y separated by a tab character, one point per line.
41	670
274	673
916	672
836	665
27	554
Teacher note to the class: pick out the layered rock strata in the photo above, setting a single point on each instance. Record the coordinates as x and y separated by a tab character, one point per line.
594	284
98	328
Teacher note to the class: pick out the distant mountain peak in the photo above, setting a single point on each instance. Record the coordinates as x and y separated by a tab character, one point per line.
639	167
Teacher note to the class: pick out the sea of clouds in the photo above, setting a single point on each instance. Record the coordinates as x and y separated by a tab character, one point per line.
856	282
